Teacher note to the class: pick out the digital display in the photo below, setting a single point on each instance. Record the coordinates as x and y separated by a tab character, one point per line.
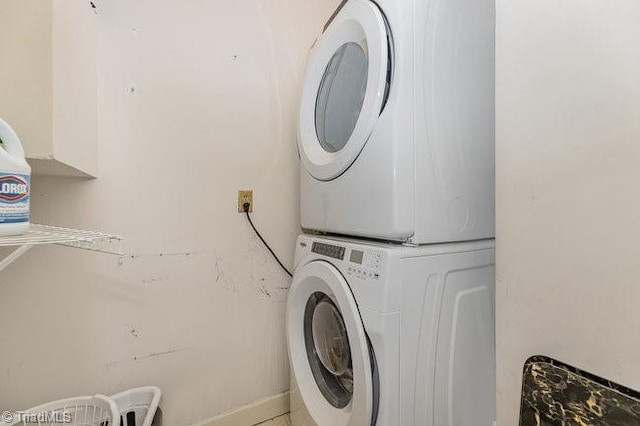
336	252
356	256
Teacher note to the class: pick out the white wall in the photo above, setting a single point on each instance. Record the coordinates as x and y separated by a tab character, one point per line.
197	308
27	106
568	189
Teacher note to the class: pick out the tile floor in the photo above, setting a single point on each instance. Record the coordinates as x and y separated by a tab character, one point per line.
278	421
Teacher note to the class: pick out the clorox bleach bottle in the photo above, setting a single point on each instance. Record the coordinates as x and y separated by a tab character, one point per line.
15	184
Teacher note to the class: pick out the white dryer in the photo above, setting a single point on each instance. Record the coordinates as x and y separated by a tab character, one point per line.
392	336
396	122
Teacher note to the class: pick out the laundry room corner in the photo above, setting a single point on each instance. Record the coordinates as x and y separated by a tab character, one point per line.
196	100
319	212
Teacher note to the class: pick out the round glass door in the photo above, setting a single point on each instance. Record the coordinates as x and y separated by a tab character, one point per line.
345	86
340	96
328	350
333	369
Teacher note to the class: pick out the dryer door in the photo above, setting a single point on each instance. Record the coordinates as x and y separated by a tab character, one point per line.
345	85
331	361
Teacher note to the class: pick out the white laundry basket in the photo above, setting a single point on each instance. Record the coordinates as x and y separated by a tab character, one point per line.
97	410
137	406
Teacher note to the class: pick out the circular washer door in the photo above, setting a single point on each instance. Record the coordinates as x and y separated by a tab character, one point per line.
344	89
328	348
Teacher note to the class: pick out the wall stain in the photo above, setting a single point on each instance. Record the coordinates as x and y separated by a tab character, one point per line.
221	277
264	291
178	254
159	354
152	355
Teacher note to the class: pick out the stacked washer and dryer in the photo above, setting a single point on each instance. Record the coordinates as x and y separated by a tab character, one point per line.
390	316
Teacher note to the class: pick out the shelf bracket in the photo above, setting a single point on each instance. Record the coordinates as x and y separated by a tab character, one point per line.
14	255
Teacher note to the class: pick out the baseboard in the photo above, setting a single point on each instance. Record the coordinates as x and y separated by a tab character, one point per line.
252	414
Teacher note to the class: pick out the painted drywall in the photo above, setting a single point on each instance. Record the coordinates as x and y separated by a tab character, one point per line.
48	82
196	100
74	84
568	179
26	40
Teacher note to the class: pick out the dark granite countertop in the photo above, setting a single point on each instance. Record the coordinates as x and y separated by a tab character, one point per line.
556	394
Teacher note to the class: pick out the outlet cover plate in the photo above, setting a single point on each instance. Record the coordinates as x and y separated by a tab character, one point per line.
245	196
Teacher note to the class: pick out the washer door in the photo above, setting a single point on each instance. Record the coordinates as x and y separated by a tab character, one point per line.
346	82
328	348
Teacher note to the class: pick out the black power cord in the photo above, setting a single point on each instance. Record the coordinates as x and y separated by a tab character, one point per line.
246	206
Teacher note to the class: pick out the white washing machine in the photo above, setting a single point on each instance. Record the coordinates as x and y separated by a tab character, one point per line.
396	124
389	335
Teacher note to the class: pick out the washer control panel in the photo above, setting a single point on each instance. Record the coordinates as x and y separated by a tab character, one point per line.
329	250
355	262
365	265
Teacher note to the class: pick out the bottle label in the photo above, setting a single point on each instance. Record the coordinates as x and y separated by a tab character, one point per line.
15	190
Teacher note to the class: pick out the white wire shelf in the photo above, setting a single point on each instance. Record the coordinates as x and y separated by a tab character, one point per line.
44	234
